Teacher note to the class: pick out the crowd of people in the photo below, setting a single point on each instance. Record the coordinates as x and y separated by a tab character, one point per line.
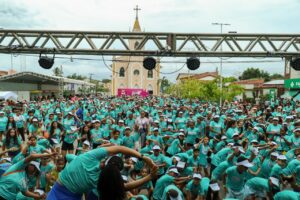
160	148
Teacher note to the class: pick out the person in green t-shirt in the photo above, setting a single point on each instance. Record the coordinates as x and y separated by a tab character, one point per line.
83	175
15	179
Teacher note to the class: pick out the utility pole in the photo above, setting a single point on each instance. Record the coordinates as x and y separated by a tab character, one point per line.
91	75
221	62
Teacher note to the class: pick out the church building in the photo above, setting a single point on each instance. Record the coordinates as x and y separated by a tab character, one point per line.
128	71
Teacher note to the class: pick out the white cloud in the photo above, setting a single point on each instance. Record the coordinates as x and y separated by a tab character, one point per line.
256	16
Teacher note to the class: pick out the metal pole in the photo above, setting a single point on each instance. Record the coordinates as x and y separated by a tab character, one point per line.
221	62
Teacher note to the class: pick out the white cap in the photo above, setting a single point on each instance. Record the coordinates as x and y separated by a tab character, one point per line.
180	164
177	158
156	121
281	157
35	120
174	170
181	134
273	143
214	187
235	134
297	129
275	181
274	154
121	121
93	121
169	120
197	176
127	127
156	147
86	142
256	128
276	118
134	159
223	137
1	112
7	159
70	113
230	144
36	164
182	130
96	121
216	116
39	191
155	129
245	163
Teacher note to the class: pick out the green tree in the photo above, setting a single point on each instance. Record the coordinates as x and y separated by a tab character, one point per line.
276	76
252	73
106	80
204	90
78	77
57	71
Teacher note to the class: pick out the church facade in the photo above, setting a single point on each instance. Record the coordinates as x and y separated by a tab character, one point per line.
128	71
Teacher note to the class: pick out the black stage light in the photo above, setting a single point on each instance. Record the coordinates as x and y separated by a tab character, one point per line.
149	63
295	64
193	63
46	62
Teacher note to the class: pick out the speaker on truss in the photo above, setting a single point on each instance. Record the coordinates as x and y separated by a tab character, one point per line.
46	62
193	63
149	63
295	64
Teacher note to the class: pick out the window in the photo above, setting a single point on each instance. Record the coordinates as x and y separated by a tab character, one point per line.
122	72
150	73
136	72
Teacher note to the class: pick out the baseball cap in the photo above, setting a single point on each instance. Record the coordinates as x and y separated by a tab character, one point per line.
35	120
70	113
121	121
245	163
197	176
127	128
281	157
274	154
7	159
223	137
87	143
173	170
155	129
275	181
181	134
254	141
235	134
36	164
297	129
276	118
156	147
177	158
1	112
216	116
134	159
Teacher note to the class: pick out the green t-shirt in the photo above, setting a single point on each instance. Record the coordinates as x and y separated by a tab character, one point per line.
193	188
235	180
161	184
171	187
287	195
81	175
258	184
204	186
15	182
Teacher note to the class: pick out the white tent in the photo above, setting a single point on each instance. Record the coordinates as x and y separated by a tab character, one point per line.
8	95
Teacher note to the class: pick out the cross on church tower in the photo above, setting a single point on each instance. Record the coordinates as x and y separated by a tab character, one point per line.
137	9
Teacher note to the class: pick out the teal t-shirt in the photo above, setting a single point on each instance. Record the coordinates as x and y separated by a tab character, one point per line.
3	123
171	187
204	186
287	195
81	175
14	183
161	184
193	188
258	184
234	179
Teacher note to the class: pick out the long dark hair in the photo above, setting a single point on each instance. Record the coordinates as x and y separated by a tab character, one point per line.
8	137
229	124
111	184
13	123
88	133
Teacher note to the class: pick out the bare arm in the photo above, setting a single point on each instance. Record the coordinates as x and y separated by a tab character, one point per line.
32	157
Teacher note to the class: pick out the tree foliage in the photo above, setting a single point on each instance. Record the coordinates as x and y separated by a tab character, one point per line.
252	73
57	71
77	76
204	90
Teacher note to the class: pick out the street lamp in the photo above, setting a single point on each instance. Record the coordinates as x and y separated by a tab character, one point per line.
221	63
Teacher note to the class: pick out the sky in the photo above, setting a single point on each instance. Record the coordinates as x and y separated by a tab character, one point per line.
189	16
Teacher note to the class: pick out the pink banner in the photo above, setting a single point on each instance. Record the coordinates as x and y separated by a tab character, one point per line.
132	92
